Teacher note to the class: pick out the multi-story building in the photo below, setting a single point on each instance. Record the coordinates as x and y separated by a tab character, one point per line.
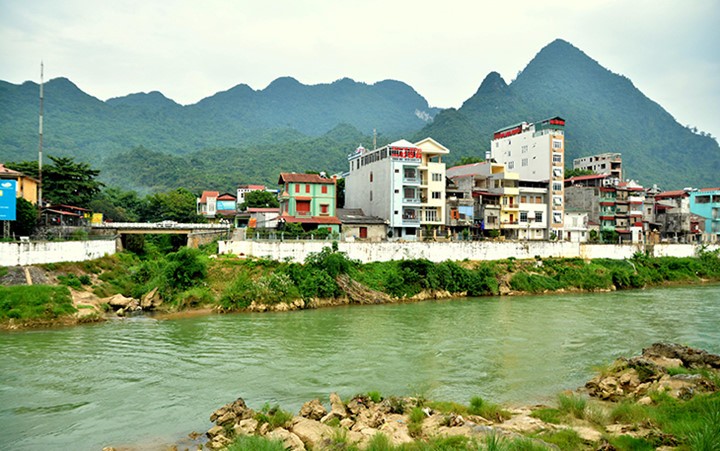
609	164
403	183
672	212
705	203
309	200
621	210
503	202
537	153
582	193
206	204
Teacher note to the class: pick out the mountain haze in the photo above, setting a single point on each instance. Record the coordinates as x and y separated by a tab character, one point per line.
605	112
146	141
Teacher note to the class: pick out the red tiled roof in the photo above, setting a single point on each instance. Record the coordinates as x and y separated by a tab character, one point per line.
291	177
206	194
312	220
579	178
8	171
226	196
671	194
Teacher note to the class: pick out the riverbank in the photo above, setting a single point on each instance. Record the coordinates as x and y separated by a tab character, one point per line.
666	398
190	280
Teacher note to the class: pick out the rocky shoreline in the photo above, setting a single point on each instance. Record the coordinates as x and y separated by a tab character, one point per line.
664	371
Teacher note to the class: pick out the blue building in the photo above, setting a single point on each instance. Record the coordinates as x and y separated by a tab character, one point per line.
705	202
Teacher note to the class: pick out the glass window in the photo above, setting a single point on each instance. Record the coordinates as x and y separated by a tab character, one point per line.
436	195
523	216
538	216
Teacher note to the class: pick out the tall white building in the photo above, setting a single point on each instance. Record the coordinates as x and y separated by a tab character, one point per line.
403	183
537	153
604	163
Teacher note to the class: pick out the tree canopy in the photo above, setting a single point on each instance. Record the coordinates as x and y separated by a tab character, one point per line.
259	199
64	181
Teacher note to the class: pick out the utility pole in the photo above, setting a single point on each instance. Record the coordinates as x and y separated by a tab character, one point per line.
40	144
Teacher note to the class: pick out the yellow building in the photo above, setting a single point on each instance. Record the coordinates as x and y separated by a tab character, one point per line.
27	187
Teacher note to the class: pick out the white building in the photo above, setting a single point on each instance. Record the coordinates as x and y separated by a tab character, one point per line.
604	163
537	153
403	183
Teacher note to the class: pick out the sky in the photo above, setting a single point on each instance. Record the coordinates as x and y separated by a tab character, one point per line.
189	50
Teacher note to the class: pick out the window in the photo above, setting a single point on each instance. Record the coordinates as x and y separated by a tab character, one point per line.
558	172
397	191
397	171
371	176
431	215
370	196
524	149
557	217
297	188
523	216
436	177
523	199
324	209
307	188
324	189
557	157
538	216
409	193
557	200
302	207
557	186
556	144
437	195
524	161
363	232
511	165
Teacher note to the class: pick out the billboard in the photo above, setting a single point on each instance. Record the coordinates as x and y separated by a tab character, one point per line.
8	200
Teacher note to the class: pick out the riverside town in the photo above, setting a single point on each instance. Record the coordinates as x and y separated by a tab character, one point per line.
342	266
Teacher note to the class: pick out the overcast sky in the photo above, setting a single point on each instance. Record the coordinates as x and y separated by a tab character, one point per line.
189	50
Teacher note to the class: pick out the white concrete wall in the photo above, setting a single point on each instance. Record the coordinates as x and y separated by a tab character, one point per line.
437	252
37	252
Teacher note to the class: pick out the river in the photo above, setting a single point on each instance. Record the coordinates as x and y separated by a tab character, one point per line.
143	382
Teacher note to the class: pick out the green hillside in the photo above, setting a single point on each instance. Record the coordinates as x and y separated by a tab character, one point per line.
605	112
148	142
80	125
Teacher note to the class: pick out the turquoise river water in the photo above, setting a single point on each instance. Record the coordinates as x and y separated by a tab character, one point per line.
143	382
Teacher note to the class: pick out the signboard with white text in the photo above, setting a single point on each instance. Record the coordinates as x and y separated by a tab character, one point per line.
8	200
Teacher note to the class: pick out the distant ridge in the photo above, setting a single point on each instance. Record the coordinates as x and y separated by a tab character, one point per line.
246	134
605	112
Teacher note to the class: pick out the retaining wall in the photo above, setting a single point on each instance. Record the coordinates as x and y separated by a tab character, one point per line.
38	252
471	250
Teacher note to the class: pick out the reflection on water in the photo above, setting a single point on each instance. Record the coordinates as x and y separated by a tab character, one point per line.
146	381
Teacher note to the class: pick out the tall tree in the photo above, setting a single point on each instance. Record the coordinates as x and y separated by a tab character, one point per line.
260	199
64	181
177	205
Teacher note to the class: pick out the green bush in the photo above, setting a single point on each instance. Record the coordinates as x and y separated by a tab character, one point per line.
185	268
70	280
274	416
35	302
239	294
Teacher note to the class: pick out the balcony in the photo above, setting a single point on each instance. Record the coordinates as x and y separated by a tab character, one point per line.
411	219
411	181
411	200
635	199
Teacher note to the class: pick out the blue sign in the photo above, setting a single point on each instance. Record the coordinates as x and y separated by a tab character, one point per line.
8	193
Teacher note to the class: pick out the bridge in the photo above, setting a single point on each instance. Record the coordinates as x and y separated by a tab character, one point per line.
197	233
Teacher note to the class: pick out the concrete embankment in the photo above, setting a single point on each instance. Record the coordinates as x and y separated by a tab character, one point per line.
464	250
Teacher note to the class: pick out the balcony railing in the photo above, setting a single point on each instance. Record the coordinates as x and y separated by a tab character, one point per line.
411	180
411	200
411	220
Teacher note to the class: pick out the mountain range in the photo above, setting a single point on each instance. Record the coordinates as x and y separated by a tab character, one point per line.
148	142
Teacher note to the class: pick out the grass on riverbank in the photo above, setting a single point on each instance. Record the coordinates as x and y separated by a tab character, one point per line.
189	278
34	302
